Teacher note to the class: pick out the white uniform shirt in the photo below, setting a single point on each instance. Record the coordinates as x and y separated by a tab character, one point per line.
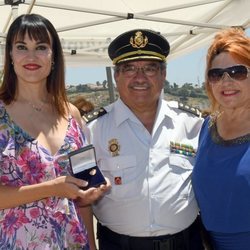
155	196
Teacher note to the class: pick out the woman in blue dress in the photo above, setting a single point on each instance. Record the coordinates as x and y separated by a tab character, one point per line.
221	176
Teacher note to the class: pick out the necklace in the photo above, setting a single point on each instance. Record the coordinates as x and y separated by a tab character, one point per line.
37	108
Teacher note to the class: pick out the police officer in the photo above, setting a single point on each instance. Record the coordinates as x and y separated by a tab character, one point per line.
146	147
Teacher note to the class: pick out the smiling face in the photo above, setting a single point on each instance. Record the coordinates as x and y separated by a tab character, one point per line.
32	60
140	90
230	93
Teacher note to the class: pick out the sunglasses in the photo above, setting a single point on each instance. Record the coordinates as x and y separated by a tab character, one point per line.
236	72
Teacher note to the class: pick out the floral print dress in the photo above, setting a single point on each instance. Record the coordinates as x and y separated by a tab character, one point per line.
50	223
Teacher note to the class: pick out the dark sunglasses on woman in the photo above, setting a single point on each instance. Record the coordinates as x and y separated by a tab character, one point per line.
236	72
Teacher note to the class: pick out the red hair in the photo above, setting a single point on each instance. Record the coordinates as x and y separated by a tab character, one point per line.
233	41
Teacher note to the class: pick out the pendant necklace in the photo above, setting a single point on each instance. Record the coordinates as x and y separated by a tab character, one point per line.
36	108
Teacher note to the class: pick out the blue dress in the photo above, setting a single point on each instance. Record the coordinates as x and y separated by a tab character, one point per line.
221	182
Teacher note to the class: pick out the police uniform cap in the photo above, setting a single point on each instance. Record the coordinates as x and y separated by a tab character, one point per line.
138	44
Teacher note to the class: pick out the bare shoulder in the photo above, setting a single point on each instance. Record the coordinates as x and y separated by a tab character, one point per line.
73	110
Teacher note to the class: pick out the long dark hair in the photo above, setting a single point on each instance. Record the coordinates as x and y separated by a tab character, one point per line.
38	28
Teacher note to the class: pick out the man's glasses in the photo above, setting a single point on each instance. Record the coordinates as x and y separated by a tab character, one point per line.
132	70
236	72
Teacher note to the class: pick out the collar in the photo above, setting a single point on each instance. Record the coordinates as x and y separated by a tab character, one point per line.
123	113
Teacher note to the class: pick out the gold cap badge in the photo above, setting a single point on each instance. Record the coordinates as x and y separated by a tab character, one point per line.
138	41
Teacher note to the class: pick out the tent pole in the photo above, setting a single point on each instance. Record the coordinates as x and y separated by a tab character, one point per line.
14	9
110	85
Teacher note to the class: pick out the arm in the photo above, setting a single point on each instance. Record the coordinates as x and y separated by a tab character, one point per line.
87	216
63	186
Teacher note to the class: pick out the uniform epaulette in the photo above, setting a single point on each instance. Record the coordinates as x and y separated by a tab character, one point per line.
189	109
90	116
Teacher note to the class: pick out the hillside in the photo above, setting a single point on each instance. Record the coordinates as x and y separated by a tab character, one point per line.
99	96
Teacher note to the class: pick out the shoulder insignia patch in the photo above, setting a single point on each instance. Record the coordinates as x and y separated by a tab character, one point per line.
94	115
189	109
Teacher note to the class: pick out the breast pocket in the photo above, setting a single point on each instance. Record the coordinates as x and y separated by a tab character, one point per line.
123	174
181	165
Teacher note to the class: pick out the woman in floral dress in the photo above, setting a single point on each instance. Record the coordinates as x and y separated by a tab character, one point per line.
38	128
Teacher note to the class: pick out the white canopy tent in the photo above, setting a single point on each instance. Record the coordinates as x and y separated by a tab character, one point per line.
86	27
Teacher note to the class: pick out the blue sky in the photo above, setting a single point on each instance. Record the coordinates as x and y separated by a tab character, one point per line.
188	68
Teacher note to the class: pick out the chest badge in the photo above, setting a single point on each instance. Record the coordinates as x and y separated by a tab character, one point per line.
114	147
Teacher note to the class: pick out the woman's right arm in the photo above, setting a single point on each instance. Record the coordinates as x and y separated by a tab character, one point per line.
63	186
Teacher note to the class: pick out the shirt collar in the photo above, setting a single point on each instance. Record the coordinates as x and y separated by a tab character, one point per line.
123	113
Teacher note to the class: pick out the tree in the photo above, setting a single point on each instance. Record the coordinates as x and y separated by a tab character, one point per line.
183	92
193	93
104	84
82	88
167	86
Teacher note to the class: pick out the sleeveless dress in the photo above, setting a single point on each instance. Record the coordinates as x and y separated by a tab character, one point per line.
221	182
50	223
